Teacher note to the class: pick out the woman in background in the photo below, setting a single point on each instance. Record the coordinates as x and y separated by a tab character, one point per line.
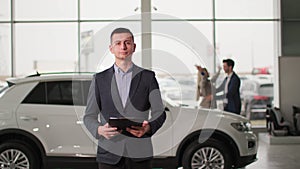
206	87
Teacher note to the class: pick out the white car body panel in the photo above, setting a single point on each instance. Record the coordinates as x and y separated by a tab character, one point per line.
58	126
187	120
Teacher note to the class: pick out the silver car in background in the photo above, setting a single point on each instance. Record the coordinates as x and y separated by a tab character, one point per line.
256	95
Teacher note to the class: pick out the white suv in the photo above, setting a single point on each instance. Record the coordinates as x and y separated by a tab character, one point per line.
41	122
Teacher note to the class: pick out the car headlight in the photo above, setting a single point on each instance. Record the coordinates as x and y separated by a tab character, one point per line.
242	126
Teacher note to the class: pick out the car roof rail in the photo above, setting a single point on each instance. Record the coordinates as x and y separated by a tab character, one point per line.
58	73
33	75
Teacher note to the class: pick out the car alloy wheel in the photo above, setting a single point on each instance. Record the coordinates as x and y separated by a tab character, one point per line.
13	159
16	154
207	158
211	154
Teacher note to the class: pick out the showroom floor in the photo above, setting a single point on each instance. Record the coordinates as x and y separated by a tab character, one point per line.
277	156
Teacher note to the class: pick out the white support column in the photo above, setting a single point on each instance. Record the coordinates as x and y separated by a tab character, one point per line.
146	34
13	39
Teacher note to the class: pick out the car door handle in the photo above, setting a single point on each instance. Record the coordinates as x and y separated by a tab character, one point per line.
28	118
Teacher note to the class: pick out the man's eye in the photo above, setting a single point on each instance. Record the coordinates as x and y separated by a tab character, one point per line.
128	43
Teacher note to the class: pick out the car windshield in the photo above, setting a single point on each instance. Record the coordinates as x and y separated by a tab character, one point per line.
266	90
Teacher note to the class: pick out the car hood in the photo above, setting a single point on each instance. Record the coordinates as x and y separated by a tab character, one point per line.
191	119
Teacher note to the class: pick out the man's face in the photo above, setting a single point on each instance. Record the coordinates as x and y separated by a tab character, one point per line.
122	46
226	67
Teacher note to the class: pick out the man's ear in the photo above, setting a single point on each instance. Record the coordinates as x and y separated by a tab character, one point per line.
110	48
134	47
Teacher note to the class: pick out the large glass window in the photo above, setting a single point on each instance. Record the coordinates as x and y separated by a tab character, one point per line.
46	9
188	9
182	43
250	44
176	47
4	10
247	9
46	47
95	54
112	9
5	51
253	47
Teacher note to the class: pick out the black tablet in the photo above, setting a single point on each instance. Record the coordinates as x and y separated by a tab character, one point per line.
123	123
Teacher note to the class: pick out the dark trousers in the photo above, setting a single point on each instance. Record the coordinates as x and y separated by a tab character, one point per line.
127	163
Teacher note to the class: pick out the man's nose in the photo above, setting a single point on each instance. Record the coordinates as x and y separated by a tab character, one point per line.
123	46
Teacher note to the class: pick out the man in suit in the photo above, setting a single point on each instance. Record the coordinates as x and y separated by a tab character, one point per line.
231	88
124	90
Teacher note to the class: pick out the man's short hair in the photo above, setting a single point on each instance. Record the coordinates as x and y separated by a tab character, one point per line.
121	30
229	62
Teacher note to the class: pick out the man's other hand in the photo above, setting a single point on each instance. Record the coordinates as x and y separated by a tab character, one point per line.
107	131
139	131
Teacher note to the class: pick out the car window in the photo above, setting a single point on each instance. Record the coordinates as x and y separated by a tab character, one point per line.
59	92
64	92
37	95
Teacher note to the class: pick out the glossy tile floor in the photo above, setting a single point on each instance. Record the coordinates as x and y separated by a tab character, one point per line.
277	156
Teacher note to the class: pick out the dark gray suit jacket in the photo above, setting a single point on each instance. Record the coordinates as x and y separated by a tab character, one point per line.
233	94
104	102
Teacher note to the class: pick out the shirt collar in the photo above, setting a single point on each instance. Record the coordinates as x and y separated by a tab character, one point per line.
229	76
119	70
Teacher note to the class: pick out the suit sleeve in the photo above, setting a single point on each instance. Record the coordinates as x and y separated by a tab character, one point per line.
158	115
92	111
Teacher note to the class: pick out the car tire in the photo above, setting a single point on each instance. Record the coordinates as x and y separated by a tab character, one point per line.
210	154
17	154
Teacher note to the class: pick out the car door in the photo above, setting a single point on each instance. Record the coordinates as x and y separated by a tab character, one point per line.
162	140
53	112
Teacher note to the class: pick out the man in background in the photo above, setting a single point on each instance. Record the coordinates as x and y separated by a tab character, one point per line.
231	88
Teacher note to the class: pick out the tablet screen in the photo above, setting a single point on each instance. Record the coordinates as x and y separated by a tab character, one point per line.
123	123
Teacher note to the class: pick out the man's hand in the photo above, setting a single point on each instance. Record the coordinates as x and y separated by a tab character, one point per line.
209	97
139	131
198	67
107	131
